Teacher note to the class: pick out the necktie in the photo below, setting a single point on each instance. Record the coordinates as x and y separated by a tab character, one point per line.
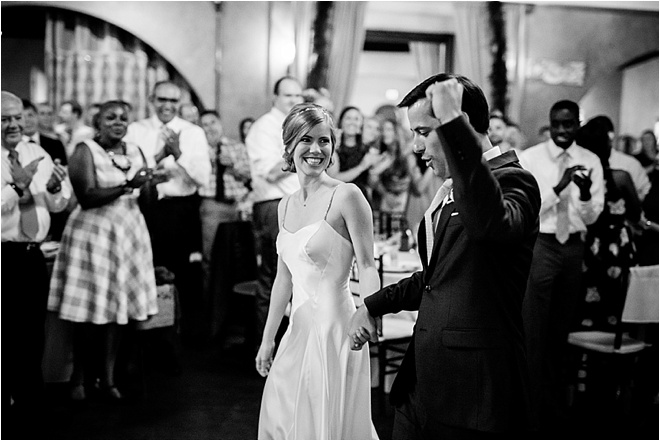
29	220
440	196
219	176
160	140
563	223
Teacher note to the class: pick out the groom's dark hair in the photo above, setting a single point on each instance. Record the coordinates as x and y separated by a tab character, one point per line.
474	101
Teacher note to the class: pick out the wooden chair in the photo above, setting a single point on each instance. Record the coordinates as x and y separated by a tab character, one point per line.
618	349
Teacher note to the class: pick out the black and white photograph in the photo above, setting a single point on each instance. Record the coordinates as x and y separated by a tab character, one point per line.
329	220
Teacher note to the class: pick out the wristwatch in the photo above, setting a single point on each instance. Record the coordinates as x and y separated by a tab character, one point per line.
17	189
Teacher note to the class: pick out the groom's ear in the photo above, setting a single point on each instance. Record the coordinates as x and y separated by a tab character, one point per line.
466	116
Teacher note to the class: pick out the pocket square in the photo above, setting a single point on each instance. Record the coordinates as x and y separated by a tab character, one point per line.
455	213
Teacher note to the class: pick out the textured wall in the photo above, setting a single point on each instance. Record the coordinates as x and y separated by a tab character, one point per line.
604	39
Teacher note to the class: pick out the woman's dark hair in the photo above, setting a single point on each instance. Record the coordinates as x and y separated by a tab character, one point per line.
358	137
383	147
244	121
301	119
593	136
474	101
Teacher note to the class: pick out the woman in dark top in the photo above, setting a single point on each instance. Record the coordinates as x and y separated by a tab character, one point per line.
352	159
610	250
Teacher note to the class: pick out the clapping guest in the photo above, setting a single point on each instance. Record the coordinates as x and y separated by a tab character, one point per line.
104	273
228	185
31	133
391	178
269	184
570	178
352	159
371	136
32	187
55	149
180	148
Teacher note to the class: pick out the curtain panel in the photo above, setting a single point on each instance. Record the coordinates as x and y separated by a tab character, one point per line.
473	54
516	16
429	58
92	61
348	35
303	20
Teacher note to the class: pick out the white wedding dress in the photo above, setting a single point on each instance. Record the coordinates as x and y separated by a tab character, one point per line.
317	388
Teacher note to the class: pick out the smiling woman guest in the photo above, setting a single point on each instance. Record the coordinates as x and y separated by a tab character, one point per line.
104	272
317	388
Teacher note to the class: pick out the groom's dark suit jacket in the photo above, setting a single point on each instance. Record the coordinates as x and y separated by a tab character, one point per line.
467	357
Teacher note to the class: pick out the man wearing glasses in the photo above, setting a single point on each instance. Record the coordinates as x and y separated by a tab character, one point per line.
180	150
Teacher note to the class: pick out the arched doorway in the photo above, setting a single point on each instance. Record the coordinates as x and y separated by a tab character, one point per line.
64	54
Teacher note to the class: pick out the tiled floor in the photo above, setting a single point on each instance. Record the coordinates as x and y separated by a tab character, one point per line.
217	396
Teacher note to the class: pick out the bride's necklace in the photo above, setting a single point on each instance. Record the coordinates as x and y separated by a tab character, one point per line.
309	196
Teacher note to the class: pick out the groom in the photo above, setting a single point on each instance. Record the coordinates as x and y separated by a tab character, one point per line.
464	374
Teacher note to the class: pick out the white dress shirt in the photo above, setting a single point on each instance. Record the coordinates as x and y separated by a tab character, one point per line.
45	202
265	148
621	161
543	162
191	170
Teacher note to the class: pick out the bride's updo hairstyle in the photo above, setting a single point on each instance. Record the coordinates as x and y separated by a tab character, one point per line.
301	120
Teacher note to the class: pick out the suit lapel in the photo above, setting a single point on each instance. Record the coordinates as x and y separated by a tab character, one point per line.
506	159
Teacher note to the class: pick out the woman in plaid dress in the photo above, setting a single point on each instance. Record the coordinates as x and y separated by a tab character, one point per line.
104	273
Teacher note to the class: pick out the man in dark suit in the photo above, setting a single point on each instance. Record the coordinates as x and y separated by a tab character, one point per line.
55	149
464	374
31	133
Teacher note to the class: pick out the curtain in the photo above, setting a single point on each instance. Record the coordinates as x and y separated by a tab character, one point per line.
516	58
91	61
348	35
473	56
303	19
429	58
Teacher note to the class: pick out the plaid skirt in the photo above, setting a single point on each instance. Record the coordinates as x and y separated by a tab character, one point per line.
104	269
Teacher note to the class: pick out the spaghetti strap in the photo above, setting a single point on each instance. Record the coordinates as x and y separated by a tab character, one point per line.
330	203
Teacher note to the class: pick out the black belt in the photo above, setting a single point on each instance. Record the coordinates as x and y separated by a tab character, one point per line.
21	246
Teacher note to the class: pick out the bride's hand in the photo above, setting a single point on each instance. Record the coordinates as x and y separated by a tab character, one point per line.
265	358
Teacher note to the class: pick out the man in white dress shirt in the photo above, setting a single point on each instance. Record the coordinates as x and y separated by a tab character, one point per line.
269	184
572	196
180	149
32	187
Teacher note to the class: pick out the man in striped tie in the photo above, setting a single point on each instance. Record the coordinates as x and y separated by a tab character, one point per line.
464	374
32	187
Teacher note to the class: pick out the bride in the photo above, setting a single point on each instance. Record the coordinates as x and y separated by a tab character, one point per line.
317	387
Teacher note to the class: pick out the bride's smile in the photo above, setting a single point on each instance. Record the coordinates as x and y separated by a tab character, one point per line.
314	150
